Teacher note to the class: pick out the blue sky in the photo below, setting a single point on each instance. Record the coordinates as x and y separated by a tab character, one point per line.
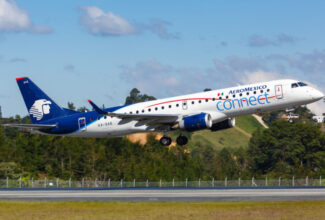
76	50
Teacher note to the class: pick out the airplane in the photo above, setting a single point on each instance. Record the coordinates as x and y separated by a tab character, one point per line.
214	110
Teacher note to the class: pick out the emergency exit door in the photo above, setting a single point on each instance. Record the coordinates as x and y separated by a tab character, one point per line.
278	92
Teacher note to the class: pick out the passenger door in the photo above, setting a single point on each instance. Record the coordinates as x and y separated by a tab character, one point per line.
278	92
82	124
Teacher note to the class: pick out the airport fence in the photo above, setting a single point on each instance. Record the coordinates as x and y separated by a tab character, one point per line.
86	183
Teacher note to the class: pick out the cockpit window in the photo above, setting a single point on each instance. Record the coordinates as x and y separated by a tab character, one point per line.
294	85
302	84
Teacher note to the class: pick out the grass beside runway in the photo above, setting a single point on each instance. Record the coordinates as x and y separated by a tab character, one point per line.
162	210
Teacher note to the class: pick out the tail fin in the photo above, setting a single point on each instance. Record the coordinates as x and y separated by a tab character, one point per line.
40	107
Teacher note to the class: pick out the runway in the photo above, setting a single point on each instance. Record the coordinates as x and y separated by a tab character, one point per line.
142	195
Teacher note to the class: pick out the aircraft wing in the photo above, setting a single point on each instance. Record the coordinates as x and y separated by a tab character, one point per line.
30	126
157	118
142	117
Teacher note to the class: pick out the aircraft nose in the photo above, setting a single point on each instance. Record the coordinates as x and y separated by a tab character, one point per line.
317	95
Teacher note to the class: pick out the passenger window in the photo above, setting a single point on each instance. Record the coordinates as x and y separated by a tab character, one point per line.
294	85
227	97
137	112
254	92
162	107
149	109
220	98
206	100
156	108
213	99
240	94
142	111
105	117
261	91
192	102
177	105
268	90
184	103
247	93
169	106
199	101
234	96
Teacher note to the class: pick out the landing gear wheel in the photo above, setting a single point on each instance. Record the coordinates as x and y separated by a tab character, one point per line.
165	140
181	140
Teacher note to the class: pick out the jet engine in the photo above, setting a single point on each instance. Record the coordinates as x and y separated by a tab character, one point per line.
228	123
196	122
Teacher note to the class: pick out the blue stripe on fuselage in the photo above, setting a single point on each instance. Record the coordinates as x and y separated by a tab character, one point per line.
69	124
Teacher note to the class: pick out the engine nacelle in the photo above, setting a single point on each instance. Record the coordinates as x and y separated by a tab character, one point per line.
228	123
196	122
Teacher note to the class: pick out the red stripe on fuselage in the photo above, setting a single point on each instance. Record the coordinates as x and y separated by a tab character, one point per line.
189	99
178	100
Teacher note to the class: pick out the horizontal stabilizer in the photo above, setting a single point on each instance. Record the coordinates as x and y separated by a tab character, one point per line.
142	117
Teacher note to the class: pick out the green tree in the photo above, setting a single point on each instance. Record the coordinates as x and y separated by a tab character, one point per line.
9	169
136	97
71	106
287	149
83	109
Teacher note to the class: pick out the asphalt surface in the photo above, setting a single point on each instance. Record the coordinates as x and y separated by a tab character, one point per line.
141	195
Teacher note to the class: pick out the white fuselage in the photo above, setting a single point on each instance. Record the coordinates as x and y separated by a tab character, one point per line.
221	104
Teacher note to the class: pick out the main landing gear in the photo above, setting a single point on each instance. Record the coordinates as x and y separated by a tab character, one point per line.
166	141
181	140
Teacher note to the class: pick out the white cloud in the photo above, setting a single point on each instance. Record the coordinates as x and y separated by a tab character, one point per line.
259	76
14	19
162	80
260	41
100	23
103	23
158	27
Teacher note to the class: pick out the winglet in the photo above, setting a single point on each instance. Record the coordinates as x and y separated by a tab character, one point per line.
97	109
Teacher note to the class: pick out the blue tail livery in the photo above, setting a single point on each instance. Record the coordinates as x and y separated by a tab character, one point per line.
40	107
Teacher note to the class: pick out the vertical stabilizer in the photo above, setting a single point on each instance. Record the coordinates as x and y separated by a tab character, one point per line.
40	107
